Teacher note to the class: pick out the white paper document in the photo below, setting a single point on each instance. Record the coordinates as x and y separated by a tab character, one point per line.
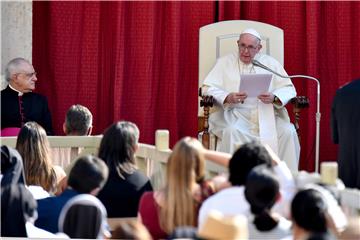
254	84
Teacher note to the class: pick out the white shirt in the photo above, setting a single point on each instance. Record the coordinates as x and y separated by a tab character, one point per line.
38	192
282	230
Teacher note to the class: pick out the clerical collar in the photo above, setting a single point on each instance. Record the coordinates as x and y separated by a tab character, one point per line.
19	93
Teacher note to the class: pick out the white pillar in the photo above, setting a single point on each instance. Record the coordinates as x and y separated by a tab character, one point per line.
16	32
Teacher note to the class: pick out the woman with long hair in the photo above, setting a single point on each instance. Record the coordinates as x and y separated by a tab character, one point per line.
178	202
125	185
34	147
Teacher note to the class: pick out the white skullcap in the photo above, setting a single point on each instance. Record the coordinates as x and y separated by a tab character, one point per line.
252	32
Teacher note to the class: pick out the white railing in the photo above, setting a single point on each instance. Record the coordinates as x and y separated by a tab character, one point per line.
150	160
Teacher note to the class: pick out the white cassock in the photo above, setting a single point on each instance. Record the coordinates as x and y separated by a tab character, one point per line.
235	124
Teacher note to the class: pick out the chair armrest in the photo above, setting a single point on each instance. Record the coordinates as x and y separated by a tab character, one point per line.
207	101
299	103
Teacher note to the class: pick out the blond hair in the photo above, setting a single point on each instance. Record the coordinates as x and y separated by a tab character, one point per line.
34	148
185	168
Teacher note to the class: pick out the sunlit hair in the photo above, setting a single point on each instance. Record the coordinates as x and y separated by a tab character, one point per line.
13	66
78	120
185	168
34	147
118	145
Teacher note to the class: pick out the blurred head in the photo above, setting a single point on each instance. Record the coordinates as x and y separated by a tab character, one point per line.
18	206
185	168
131	229
34	148
186	163
245	159
118	147
88	175
308	211
261	192
84	216
21	75
78	121
12	169
249	44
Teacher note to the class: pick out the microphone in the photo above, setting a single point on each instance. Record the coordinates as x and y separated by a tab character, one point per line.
318	114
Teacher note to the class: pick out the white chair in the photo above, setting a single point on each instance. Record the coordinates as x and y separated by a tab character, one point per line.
219	39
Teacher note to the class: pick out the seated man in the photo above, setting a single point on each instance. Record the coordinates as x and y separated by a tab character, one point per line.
239	118
88	175
78	122
18	103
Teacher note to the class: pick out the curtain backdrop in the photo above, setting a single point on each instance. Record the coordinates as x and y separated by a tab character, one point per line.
138	61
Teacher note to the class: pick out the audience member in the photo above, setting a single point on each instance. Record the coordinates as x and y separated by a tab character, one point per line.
240	118
18	213
12	170
131	229
261	192
125	185
18	103
84	216
78	122
345	126
231	201
309	215
33	146
88	175
185	189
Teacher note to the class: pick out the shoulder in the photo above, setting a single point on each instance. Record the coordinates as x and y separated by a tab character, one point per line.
138	177
147	200
284	223
267	60
350	86
230	57
38	192
36	96
234	193
7	92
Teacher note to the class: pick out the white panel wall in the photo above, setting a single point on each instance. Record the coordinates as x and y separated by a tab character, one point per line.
16	32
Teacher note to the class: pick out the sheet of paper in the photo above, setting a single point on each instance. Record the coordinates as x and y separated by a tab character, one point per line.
254	84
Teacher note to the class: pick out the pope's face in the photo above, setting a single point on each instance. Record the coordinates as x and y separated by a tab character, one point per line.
249	46
25	78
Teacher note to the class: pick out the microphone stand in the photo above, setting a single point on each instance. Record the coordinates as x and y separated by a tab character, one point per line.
318	114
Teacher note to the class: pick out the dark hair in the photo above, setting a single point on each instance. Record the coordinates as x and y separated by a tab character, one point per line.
308	210
17	207
78	120
246	158
88	173
117	147
12	167
261	191
82	221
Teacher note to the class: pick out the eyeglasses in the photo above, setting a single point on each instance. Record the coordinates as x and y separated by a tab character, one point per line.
29	75
250	48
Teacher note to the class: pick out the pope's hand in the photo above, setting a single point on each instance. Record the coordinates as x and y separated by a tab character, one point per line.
266	97
235	97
